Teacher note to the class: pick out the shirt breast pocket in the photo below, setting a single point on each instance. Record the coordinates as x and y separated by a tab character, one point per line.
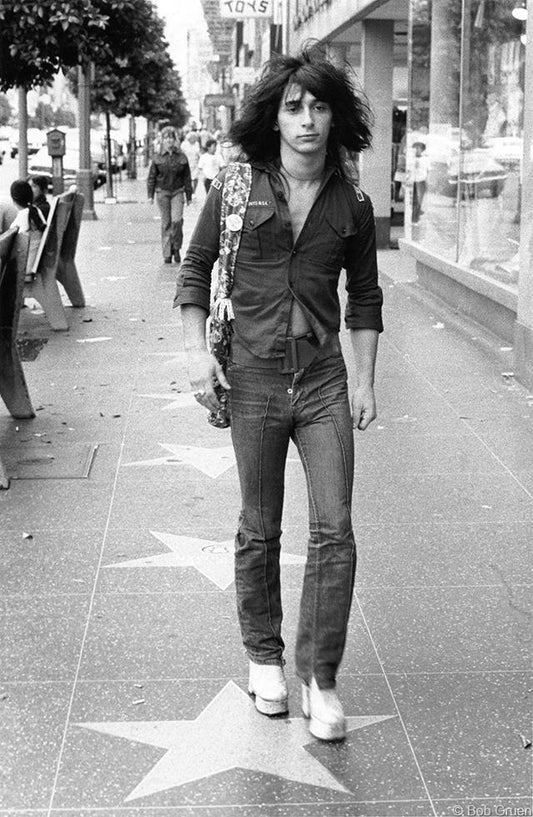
340	230
257	237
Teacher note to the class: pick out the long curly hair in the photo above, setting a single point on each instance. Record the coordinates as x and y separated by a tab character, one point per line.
352	117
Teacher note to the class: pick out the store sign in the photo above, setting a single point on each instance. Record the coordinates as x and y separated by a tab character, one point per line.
239	9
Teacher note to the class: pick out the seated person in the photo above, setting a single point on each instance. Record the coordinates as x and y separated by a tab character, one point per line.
29	219
29	216
39	185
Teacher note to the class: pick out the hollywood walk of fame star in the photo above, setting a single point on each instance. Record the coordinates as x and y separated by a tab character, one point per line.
211	461
228	734
175	400
213	559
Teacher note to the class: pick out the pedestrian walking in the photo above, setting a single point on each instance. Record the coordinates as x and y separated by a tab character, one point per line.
169	180
210	163
191	148
287	379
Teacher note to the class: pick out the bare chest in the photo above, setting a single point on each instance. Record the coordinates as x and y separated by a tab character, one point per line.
300	202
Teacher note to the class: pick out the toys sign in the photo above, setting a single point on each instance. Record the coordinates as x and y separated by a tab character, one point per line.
245	8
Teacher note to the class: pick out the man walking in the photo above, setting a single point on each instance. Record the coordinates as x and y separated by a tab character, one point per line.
287	379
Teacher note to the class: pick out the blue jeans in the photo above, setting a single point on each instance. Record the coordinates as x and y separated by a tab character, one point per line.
171	206
311	407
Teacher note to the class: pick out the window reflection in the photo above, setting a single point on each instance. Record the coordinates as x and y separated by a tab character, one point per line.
462	188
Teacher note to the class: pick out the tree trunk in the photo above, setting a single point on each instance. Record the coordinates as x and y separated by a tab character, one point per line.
108	161
132	150
84	179
23	133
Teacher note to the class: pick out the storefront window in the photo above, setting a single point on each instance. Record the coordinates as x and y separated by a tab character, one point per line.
464	132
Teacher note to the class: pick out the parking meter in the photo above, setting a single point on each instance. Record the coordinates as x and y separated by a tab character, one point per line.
57	146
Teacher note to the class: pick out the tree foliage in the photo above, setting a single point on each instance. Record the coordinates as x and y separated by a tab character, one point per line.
39	37
143	81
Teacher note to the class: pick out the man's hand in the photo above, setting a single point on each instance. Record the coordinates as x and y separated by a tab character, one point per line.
363	407
205	372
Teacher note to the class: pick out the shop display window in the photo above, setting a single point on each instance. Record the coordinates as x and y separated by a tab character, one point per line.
463	143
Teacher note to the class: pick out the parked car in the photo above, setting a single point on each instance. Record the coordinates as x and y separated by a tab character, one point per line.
36	140
41	165
507	150
98	148
5	137
478	172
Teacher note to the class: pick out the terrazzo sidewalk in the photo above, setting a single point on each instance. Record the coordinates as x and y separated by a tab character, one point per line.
122	675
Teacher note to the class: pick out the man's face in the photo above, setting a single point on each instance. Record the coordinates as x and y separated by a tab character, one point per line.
304	121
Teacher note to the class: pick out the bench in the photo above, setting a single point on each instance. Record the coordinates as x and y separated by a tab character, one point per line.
54	262
13	389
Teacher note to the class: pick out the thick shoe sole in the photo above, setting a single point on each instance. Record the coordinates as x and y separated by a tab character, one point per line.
327	731
319	729
266	707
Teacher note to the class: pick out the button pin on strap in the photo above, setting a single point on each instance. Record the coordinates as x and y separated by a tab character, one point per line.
234	223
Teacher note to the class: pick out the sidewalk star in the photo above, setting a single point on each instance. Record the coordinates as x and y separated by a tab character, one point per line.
175	400
228	734
211	461
213	559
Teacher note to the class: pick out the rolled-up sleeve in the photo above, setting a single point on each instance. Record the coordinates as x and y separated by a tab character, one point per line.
365	297
194	282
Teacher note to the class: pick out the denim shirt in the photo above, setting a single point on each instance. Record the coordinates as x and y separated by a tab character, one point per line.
169	171
272	269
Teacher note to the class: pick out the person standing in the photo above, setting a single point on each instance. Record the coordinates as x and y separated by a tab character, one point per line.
287	377
418	174
169	180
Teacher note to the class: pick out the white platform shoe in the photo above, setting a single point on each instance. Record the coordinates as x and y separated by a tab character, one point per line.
323	708
268	686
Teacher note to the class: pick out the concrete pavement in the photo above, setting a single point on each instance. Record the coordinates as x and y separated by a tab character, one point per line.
122	675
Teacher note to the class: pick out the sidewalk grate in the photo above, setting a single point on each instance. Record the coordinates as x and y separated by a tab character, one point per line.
35	462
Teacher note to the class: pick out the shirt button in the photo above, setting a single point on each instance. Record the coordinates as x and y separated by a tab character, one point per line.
280	195
289	391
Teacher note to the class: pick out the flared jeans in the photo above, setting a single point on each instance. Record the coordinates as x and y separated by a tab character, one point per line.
310	407
171	206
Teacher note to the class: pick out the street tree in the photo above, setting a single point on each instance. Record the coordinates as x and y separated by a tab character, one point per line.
143	82
40	37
